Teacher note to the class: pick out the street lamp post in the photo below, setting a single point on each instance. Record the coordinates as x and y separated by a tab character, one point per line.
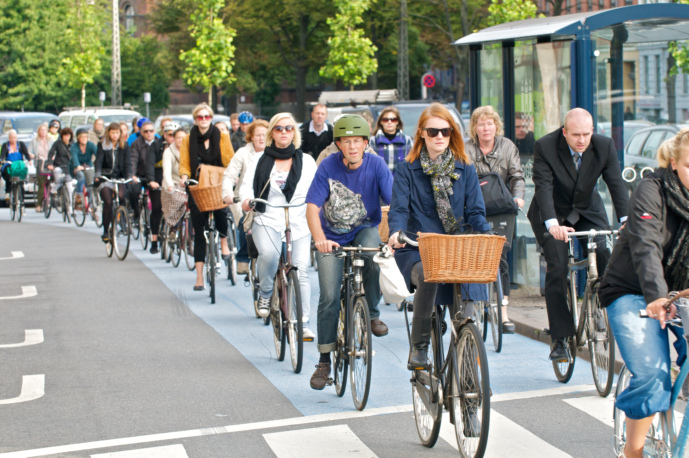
101	97
116	97
147	99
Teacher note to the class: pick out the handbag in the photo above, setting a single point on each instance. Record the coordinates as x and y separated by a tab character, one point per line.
249	217
496	196
391	280
174	206
209	176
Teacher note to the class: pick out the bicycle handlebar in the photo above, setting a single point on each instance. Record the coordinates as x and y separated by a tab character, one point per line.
591	233
115	181
402	238
253	202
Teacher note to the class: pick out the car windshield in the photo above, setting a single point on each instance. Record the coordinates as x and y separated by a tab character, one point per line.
107	119
410	115
29	124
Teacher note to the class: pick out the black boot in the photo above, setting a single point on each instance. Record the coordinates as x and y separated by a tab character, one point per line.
420	337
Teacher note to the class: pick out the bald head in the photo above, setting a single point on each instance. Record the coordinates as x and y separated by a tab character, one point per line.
578	129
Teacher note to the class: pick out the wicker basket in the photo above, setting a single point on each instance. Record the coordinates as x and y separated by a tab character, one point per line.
460	258
383	228
208	198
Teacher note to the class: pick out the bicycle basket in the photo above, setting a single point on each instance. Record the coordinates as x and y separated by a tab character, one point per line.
208	198
19	170
383	228
471	258
88	175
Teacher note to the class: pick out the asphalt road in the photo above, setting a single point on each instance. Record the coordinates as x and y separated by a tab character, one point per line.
123	359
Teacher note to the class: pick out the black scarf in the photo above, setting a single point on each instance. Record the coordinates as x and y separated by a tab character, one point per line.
677	264
197	151
265	167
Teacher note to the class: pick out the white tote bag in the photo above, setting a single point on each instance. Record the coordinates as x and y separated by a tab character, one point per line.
392	283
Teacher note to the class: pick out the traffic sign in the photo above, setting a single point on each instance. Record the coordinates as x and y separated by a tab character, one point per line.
428	80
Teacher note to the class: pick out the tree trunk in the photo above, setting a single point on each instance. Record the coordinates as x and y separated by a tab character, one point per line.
300	73
83	96
670	84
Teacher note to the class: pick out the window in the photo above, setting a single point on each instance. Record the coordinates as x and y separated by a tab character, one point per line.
8	126
652	144
129	14
590	5
628	2
601	5
647	82
657	74
578	6
634	148
568	5
613	3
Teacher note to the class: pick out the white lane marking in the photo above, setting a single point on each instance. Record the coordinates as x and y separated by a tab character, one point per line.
31	337
336	440
27	291
295	421
595	406
168	451
33	387
15	255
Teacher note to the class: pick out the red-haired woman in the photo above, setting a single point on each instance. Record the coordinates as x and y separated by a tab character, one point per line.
436	189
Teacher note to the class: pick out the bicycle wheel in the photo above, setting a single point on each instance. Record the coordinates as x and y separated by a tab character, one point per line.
162	240
176	246
143	226
426	395
47	198
360	358
565	369
601	343
121	233
295	325
276	320
232	262
479	315
109	247
96	208
339	355
136	229
65	204
78	211
13	202
470	400
253	284
211	260
495	315
188	242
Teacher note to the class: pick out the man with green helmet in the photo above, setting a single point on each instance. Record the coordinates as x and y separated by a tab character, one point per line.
343	208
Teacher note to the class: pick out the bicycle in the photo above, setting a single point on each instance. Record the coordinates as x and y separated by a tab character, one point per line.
87	205
353	347
172	238
492	313
186	230
232	245
16	199
47	195
120	232
286	313
143	227
592	327
459	381
212	265
663	438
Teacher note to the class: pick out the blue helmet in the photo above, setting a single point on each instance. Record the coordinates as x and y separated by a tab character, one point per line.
245	117
141	122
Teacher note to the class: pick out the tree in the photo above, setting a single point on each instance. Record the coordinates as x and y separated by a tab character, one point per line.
209	62
502	11
352	55
84	35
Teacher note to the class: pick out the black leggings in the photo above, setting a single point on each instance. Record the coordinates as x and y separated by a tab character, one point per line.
107	196
424	297
199	220
156	205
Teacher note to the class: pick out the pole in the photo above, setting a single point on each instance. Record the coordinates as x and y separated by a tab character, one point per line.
116	96
403	54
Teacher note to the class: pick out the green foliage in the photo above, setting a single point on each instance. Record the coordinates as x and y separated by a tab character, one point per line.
352	55
209	62
680	51
502	11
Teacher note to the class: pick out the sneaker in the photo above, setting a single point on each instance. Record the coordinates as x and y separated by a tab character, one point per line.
559	351
242	268
263	306
308	334
321	377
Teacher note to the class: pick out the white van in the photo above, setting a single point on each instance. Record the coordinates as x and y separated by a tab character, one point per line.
74	117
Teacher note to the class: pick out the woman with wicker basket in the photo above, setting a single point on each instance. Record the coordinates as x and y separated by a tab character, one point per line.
204	145
435	190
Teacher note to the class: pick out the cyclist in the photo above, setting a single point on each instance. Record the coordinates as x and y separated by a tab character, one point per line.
173	207
12	150
239	137
648	261
435	190
112	161
83	152
154	177
234	177
54	130
281	175
489	151
343	208
390	142
40	145
204	145
59	158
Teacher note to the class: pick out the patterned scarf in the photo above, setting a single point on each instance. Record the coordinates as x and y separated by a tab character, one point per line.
442	172
677	264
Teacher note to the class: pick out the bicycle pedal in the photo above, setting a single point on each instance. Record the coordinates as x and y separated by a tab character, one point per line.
308	339
329	382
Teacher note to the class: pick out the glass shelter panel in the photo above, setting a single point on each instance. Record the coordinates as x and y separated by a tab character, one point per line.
491	77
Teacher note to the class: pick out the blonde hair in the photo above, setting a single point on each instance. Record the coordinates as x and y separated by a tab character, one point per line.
202	106
488	112
296	140
456	142
671	149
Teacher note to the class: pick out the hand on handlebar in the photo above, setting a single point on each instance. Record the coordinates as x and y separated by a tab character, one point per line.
154	185
656	310
560	232
393	242
245	205
326	246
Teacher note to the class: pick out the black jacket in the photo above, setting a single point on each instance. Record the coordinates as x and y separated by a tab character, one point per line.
21	147
313	144
60	156
238	139
636	264
154	160
137	153
560	189
120	169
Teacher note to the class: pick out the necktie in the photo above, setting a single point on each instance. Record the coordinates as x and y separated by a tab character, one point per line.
576	157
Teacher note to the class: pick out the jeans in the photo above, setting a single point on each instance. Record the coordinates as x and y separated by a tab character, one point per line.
330	273
644	349
81	179
269	244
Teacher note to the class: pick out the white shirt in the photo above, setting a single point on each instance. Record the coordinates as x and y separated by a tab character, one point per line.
275	217
313	129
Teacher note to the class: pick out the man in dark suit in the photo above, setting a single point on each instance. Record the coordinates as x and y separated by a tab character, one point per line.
566	168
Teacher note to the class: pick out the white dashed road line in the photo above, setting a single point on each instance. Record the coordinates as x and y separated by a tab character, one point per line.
33	387
27	291
31	337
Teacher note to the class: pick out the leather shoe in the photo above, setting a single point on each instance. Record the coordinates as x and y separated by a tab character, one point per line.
419	358
507	327
378	328
559	351
321	377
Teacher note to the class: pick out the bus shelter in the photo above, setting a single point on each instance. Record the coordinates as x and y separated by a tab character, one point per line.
614	63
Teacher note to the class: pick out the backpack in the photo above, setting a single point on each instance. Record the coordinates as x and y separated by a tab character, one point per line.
497	197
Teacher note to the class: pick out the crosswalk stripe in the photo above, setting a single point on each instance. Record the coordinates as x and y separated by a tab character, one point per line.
33	387
595	406
27	291
328	441
167	451
31	337
15	255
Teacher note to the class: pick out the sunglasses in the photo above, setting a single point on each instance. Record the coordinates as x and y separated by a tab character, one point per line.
285	128
148	131
389	120
433	132
204	117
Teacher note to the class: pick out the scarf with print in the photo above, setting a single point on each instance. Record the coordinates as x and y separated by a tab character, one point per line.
442	172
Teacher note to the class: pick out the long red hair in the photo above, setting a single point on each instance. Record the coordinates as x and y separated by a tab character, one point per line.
456	142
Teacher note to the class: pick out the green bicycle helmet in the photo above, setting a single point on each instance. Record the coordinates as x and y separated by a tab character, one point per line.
351	125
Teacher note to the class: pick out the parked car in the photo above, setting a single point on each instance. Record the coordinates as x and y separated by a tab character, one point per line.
77	117
630	128
25	123
640	153
186	121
